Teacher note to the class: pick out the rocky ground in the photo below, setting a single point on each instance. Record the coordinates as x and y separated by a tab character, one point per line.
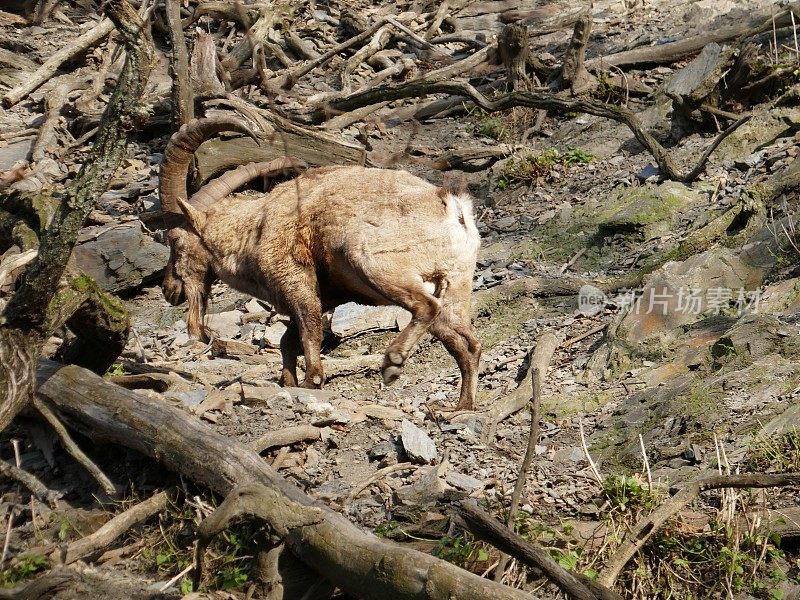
695	371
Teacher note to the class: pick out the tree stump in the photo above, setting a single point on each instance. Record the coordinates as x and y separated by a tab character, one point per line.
574	75
515	54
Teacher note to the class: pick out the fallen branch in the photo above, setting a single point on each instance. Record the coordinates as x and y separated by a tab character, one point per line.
111	530
433	84
650	524
545	347
72	448
30	482
285	437
51	65
345	556
377	476
486	527
669	53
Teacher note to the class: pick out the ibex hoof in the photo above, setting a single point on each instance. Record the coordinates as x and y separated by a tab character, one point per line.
390	374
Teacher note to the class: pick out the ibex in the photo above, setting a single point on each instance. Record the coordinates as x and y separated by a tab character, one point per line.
331	235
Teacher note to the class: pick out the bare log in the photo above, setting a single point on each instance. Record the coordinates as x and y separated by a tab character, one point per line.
206	83
51	65
347	557
514	52
323	539
573	71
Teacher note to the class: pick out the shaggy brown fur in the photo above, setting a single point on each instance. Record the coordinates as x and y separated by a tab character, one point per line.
335	235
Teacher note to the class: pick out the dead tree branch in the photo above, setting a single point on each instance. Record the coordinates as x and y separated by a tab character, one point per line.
669	53
31	482
545	348
486	527
51	65
430	84
182	97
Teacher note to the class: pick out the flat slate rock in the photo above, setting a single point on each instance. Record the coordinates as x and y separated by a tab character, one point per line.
417	444
120	257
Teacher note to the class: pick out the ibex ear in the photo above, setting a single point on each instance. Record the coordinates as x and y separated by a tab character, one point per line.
196	218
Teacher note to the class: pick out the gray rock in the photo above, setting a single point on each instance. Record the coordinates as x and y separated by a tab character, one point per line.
351	319
382	450
120	257
463	482
226	324
427	489
646	211
189	398
591	300
254	306
273	334
417	444
680	292
15	152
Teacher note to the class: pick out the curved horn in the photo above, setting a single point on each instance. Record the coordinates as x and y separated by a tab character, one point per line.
231	181
179	152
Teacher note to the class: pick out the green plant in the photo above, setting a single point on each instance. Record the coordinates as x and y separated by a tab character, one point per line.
774	454
227	559
115	369
389	529
65	526
485	124
26	567
460	550
530	168
625	492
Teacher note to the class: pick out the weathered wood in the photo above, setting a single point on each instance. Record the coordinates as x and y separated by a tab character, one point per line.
182	97
286	437
514	52
217	156
573	71
203	70
323	539
484	526
255	36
